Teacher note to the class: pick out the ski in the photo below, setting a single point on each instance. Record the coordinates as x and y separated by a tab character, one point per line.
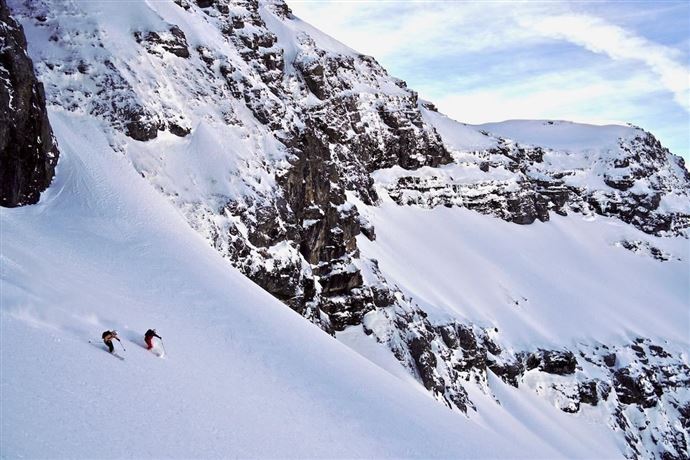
115	354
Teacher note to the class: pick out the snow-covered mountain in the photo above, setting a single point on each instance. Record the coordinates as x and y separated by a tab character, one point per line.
524	273
243	375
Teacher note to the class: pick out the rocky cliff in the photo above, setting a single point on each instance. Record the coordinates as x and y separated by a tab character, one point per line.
626	174
28	152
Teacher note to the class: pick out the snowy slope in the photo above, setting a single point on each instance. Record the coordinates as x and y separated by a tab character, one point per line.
558	134
243	377
579	276
606	297
548	284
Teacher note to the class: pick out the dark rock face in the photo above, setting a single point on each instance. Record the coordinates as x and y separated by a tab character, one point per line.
440	357
446	357
610	359
28	151
172	41
509	372
527	186
552	362
333	145
633	389
639	393
521	206
646	248
587	392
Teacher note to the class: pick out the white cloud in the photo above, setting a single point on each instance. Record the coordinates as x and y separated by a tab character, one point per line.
577	97
599	36
399	28
410	30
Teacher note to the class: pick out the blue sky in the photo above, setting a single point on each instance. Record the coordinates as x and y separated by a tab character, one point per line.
481	61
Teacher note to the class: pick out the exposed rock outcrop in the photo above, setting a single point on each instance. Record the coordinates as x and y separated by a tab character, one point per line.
522	184
172	41
28	151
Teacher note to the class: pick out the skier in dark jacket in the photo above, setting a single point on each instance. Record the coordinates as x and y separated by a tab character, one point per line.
108	337
148	338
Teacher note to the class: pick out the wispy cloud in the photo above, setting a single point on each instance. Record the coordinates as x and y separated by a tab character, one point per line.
599	36
573	97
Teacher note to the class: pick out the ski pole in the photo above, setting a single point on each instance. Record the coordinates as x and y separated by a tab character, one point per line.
123	347
163	345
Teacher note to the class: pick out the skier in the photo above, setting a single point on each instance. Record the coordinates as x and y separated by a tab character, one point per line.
148	338
108	337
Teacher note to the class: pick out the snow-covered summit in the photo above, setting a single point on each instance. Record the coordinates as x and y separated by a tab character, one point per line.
524	170
560	134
